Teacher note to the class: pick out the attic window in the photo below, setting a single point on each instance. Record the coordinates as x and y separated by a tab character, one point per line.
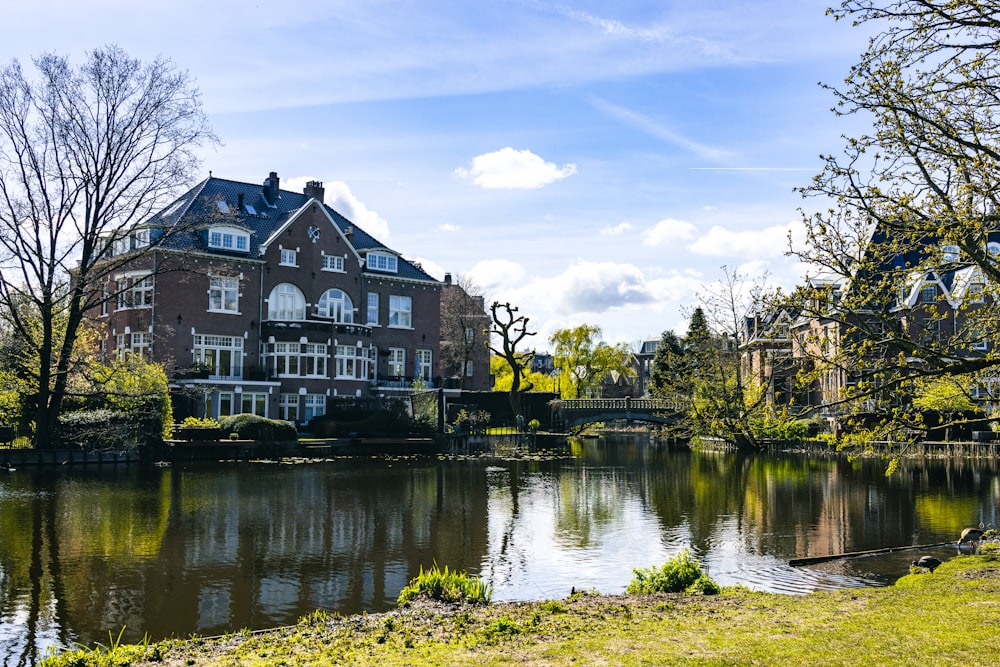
228	238
377	261
250	209
222	206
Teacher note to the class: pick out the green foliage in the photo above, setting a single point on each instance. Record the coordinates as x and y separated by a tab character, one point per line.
584	360
669	374
499	630
255	427
115	654
200	422
133	384
380	422
682	573
105	429
446	586
503	377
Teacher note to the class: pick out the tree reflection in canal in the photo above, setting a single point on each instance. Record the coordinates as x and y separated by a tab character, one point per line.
173	551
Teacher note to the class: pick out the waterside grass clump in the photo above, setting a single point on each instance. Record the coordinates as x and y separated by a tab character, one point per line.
446	586
945	618
680	574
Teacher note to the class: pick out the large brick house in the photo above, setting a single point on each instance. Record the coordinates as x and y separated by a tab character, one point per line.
260	300
924	303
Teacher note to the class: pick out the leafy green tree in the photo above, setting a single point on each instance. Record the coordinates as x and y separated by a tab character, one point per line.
947	396
668	373
86	153
911	201
584	360
503	377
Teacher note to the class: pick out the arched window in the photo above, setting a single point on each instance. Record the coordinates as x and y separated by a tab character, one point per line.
336	305
286	302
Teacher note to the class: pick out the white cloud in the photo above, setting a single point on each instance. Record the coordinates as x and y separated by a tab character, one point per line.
513	169
668	231
617	230
431	267
339	197
495	275
450	228
754	244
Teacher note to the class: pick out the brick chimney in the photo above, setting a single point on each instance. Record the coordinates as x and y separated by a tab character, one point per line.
314	189
271	186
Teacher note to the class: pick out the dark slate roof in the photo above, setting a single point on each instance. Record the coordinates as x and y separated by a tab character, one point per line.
197	207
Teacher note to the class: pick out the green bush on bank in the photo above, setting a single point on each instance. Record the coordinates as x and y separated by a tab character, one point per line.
446	586
680	574
255	427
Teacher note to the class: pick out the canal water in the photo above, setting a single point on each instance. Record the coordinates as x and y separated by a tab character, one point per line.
208	549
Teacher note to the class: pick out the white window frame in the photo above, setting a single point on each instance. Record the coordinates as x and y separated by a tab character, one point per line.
372	311
400	312
397	362
228	239
254	403
315	406
286	359
140	343
380	261
977	292
288	406
925	292
217	352
336	304
423	365
288	257
135	290
224	294
286	302
333	263
314	360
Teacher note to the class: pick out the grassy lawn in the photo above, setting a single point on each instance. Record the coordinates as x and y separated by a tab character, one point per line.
950	617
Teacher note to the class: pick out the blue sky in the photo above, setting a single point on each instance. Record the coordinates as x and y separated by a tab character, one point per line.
590	162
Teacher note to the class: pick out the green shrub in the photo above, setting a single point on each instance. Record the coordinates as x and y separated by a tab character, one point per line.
682	573
382	423
446	586
255	427
200	422
108	429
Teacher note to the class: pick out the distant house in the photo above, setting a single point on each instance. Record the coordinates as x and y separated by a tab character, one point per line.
642	364
922	309
260	300
465	352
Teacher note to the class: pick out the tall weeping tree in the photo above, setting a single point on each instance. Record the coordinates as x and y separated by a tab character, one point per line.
911	202
583	359
86	153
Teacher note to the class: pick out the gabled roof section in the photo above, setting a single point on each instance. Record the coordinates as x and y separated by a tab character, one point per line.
248	206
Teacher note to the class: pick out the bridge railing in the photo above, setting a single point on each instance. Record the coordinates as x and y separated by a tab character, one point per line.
623	404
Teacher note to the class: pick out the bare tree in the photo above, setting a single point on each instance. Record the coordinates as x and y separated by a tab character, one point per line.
512	329
86	153
464	329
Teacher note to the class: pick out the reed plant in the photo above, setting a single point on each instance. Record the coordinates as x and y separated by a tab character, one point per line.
446	586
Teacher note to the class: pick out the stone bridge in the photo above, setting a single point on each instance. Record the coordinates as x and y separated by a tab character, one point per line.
577	412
